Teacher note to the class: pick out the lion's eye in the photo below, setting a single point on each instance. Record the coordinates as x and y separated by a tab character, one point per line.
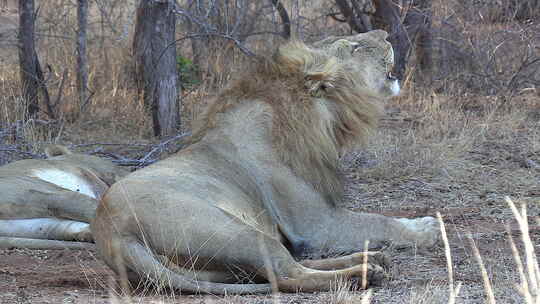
355	47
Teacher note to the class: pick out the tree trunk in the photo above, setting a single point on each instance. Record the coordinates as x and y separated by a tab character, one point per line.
28	63
82	64
418	26
388	13
284	15
357	14
347	12
404	31
414	29
198	49
155	60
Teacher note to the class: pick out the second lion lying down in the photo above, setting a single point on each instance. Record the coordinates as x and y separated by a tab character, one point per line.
259	186
48	203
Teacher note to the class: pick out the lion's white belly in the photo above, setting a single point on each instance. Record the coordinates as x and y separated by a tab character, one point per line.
66	180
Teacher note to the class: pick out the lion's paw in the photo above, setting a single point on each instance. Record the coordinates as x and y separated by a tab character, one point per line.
83	234
379	258
425	230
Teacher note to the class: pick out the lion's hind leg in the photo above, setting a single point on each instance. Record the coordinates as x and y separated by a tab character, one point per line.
195	274
265	254
260	253
142	263
373	257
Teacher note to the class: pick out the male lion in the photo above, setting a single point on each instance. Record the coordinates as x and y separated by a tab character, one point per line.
259	186
45	201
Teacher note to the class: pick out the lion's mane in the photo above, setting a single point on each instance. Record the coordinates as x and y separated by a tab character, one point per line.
318	111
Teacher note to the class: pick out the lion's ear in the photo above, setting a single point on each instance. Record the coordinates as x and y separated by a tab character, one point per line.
320	78
318	84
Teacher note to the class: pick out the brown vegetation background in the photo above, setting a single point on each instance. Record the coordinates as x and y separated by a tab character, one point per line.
478	51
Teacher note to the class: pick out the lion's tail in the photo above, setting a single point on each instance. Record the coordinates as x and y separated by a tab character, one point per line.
139	258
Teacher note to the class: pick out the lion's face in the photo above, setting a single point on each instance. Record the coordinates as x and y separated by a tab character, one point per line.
369	57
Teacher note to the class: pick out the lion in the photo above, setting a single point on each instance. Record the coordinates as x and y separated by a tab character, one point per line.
47	202
258	188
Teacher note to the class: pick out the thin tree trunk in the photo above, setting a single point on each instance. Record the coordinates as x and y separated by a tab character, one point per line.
155	57
200	53
42	85
201	45
350	16
198	49
28	64
414	30
139	48
388	12
424	41
82	62
361	13
284	15
32	79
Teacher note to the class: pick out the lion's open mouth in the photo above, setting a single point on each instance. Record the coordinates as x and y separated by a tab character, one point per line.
391	75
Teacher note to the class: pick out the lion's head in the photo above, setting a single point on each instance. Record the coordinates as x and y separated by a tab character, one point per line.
369	60
354	72
104	169
325	98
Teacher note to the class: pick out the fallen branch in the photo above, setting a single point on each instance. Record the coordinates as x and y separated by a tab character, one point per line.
161	146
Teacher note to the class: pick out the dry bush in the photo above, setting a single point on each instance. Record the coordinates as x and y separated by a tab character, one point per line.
216	37
420	135
501	10
488	58
474	57
113	105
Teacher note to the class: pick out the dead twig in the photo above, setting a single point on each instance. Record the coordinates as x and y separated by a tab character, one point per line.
161	146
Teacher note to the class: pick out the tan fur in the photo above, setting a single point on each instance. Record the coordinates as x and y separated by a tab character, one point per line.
288	82
36	189
259	185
